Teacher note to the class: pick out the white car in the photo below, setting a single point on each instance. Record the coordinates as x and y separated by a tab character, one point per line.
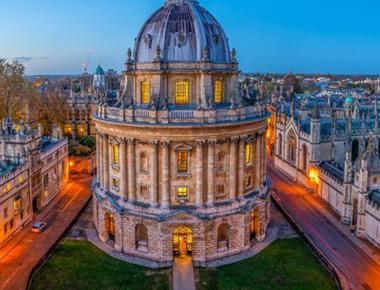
39	227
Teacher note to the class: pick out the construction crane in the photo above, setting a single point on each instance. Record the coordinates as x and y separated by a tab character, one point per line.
85	65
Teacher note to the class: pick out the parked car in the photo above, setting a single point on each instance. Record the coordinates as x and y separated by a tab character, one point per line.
39	227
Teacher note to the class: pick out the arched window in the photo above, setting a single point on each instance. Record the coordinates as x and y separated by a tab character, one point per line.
145	92
110	226
182	93
218	91
144	162
83	115
183	161
355	150
141	238
279	145
115	154
223	237
304	157
292	148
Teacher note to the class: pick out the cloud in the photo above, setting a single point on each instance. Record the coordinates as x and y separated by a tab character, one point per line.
25	59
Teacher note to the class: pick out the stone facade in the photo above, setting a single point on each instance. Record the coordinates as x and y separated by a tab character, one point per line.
180	154
33	169
334	151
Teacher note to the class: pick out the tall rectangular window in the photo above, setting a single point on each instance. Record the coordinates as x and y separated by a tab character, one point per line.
248	153
115	154
218	92
145	92
183	162
182	92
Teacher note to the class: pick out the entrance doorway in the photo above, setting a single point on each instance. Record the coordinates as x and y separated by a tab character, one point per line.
182	241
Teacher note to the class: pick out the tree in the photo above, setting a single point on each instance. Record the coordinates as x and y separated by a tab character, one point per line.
14	90
39	102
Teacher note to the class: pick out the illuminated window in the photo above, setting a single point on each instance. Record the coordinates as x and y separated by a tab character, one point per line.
145	92
248	153
182	192
218	92
115	154
116	183
183	164
182	92
17	203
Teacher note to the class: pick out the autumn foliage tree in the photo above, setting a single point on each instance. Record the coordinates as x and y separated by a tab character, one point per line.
22	99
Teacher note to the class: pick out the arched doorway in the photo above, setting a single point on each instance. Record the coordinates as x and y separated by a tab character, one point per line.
292	148
182	241
110	226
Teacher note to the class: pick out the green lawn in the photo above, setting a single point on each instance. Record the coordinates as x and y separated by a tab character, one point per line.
284	265
79	265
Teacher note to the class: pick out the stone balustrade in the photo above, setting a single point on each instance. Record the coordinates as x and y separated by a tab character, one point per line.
181	115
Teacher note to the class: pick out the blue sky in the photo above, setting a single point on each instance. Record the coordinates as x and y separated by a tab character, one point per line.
328	36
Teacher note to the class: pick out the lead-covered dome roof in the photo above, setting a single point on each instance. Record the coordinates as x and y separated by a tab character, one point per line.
182	31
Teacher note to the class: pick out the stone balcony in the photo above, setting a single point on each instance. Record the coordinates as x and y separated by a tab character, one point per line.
182	115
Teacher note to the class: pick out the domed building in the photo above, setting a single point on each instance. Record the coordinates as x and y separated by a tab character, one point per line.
181	152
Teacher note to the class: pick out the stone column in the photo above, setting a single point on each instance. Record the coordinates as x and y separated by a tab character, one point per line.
154	172
241	166
98	171
131	171
210	172
106	163
258	161
123	169
165	204
233	166
199	174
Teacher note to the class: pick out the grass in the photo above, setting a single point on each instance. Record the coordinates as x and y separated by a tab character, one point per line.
80	265
284	265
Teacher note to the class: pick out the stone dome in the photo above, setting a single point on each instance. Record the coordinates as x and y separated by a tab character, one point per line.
182	31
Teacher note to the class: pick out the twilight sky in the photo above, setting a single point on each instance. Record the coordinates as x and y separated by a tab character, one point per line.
327	36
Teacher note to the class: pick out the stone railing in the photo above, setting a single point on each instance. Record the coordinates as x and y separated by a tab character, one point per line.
181	115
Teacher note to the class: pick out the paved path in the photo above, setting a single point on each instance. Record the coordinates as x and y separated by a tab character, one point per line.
183	274
19	258
351	257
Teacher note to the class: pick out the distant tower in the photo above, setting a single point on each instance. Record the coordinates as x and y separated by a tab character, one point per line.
99	82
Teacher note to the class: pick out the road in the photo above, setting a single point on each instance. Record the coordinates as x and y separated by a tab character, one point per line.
325	232
18	259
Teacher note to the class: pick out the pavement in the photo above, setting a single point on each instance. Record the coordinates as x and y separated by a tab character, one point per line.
19	257
356	262
183	274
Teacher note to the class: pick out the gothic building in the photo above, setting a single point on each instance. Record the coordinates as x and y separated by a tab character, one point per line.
333	145
181	153
83	94
33	169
